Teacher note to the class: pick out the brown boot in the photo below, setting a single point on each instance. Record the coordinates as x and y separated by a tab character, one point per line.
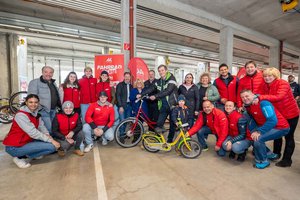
78	152
61	152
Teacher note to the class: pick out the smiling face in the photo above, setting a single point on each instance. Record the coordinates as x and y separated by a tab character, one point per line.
103	98
204	80
151	75
88	73
229	107
188	79
68	110
207	107
181	103
47	73
247	97
162	72
104	77
250	69
223	71
32	104
269	78
72	78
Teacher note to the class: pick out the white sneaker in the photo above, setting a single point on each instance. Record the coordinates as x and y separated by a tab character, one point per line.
88	148
104	141
21	163
38	158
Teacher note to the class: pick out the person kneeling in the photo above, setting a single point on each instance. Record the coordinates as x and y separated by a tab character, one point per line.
238	139
66	128
28	137
100	118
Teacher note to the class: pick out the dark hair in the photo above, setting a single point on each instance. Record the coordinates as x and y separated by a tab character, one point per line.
250	62
151	70
187	75
223	65
29	97
127	73
100	79
67	81
164	66
246	90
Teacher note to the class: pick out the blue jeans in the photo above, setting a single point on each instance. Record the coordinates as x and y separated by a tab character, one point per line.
202	136
127	112
31	150
83	108
239	146
47	118
260	149
88	132
117	118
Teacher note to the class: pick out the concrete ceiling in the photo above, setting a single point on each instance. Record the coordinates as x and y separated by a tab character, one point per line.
264	16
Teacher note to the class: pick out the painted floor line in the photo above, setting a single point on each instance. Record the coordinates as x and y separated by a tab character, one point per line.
101	189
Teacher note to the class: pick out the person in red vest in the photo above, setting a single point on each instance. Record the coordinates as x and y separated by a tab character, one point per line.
227	86
266	123
99	119
104	85
211	121
239	138
87	91
70	91
66	128
279	93
28	138
252	81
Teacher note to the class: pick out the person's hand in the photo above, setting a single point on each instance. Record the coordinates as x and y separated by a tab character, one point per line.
228	145
121	110
196	113
70	140
98	132
223	100
205	98
217	148
176	124
240	109
255	135
55	143
138	96
255	101
152	97
187	134
70	135
297	97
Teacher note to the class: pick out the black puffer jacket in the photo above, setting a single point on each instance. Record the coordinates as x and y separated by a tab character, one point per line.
192	97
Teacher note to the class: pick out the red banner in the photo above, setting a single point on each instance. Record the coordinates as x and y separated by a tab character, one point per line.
113	64
138	69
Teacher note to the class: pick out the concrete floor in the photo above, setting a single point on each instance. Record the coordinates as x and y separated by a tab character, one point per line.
113	172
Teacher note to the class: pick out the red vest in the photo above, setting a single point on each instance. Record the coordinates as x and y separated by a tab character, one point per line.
233	120
66	123
72	94
17	137
87	90
104	86
227	92
260	119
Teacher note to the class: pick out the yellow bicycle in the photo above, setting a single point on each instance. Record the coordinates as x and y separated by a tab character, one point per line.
188	148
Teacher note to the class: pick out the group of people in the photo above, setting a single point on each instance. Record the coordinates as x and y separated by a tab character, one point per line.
257	108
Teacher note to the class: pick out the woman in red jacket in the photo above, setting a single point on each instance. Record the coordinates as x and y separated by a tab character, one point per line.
70	91
104	85
279	93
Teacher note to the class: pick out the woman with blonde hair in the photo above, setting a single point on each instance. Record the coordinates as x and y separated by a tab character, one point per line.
279	93
138	88
207	91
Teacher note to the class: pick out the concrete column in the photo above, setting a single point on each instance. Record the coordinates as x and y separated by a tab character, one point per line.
125	36
14	79
4	63
226	46
299	69
274	54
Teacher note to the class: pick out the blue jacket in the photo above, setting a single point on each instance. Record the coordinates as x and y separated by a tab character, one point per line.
178	112
135	106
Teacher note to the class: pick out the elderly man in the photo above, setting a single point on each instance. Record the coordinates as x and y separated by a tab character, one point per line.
46	88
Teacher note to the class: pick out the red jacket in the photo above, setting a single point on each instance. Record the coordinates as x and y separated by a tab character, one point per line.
104	86
233	122
17	137
252	83
281	96
100	115
216	121
227	92
65	123
72	94
88	90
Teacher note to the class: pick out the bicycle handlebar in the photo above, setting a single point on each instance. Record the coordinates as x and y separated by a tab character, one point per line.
143	97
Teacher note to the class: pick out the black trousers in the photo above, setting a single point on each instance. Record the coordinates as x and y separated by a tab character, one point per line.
289	141
152	111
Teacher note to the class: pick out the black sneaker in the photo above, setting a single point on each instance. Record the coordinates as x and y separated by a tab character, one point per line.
284	163
231	155
241	157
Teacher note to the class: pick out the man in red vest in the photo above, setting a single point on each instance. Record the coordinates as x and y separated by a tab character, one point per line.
227	86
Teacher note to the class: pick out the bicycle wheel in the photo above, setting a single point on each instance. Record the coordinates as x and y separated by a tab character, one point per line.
6	116
148	140
16	100
129	132
195	149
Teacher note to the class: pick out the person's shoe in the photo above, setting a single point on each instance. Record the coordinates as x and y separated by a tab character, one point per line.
241	157
61	152
205	148
284	163
261	165
273	156
21	163
178	151
104	141
231	155
88	148
38	158
78	152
